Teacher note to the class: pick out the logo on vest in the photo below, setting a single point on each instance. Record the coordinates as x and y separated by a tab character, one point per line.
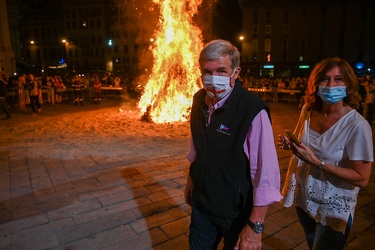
223	129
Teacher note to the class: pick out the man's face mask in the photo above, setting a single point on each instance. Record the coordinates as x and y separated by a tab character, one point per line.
218	87
332	95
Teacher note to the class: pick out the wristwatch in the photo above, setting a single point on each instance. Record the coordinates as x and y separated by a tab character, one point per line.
256	226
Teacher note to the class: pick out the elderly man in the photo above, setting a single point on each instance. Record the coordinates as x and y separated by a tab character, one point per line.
234	174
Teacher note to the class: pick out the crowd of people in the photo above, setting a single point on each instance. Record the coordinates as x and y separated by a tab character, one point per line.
32	90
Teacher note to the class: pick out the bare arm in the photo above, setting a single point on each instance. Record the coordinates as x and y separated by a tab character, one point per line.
358	174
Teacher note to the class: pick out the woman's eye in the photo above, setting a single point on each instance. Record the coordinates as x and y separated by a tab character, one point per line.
338	79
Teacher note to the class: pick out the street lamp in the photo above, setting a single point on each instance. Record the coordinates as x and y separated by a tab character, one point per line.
65	42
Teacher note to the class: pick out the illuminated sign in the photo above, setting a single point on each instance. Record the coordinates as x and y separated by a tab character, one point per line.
268	66
304	66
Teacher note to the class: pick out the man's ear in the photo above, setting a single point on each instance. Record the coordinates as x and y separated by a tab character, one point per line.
237	72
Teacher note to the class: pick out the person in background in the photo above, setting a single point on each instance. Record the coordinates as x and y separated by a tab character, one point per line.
22	92
117	81
368	111
362	93
3	96
97	84
78	87
332	156
234	173
47	88
59	86
33	87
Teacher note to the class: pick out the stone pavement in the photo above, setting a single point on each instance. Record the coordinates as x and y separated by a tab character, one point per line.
131	203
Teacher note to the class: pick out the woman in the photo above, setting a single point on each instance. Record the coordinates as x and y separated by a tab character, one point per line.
334	159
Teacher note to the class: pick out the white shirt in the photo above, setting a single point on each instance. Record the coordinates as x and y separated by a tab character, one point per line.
327	198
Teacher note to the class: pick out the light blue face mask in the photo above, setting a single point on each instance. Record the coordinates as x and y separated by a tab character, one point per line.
331	95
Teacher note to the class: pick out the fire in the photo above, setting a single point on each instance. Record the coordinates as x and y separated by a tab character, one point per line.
175	73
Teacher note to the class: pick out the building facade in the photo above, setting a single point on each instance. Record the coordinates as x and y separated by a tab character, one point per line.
8	22
287	37
103	35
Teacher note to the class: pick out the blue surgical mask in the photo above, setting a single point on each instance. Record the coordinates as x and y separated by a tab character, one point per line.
332	95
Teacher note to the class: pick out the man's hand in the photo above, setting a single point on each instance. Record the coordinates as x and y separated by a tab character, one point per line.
188	190
249	240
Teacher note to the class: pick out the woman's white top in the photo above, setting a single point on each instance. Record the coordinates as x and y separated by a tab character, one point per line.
326	198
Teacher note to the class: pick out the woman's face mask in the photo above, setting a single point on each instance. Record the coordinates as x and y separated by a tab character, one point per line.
332	95
218	87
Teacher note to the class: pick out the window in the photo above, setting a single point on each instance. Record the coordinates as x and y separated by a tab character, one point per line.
268	17
255	45
284	45
267	45
303	45
268	29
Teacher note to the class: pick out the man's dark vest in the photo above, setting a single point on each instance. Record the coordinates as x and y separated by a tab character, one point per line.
221	171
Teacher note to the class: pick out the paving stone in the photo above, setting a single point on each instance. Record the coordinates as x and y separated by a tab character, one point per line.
141	182
283	217
90	228
73	210
293	233
101	191
177	200
124	196
38	243
165	194
22	201
160	186
181	243
24	223
41	182
18	213
103	240
169	176
363	241
176	228
73	168
143	211
158	220
143	241
38	172
5	241
95	214
57	202
41	231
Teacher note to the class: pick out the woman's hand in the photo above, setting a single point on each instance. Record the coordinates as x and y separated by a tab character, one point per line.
305	154
283	142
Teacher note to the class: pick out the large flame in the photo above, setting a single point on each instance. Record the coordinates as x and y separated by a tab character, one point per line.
175	73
